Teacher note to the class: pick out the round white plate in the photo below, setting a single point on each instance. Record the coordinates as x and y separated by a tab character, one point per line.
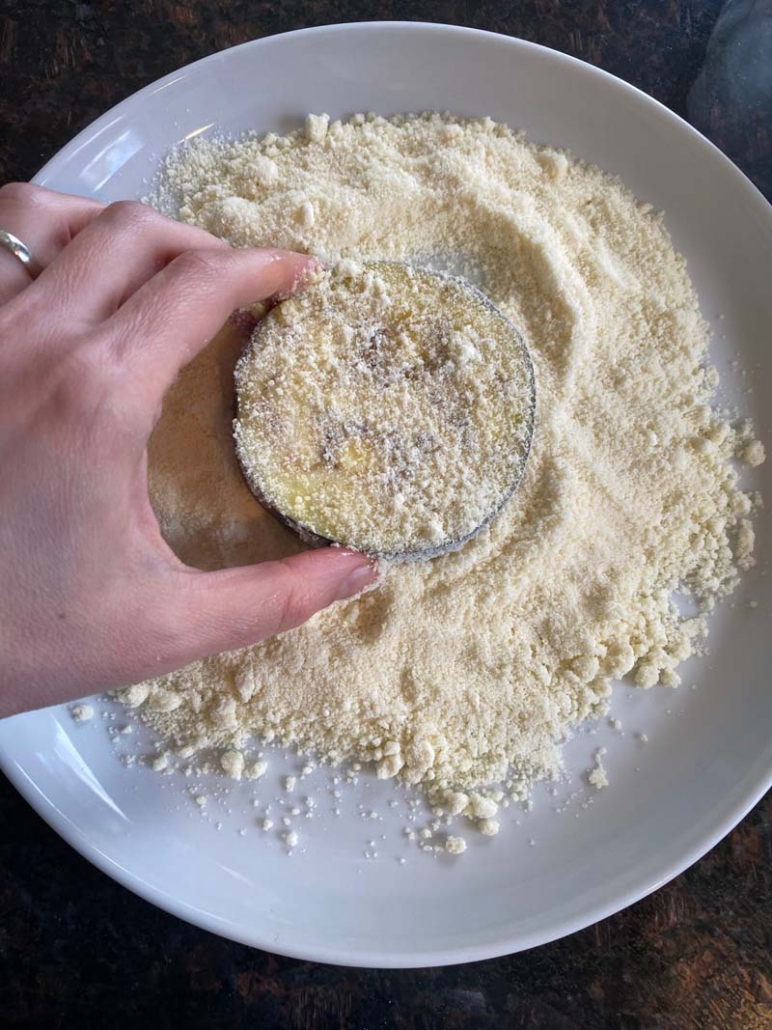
710	752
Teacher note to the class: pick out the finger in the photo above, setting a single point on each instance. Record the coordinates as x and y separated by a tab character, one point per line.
119	251
174	315
45	222
221	611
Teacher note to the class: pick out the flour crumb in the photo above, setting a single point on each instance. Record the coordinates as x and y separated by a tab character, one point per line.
316	127
82	713
597	777
256	769
481	807
455	845
488	827
753	453
456	802
306	214
134	696
232	763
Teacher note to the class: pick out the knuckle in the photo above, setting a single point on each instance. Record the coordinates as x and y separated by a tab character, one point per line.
24	194
200	263
131	214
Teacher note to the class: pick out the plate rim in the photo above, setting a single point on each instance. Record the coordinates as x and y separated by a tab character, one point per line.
333	954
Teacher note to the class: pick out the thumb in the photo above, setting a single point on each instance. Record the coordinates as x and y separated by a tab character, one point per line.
222	611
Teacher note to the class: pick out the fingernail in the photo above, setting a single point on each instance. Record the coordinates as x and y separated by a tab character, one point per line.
308	273
302	278
356	581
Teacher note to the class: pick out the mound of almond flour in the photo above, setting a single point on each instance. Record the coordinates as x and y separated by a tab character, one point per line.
457	671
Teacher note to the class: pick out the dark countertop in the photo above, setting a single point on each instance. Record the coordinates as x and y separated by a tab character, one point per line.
78	950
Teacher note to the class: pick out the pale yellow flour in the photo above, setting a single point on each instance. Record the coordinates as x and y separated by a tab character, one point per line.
456	669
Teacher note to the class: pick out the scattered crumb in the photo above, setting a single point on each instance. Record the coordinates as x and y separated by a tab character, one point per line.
753	453
455	845
232	763
82	713
489	827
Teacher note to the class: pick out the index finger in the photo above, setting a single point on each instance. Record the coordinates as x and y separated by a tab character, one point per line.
177	312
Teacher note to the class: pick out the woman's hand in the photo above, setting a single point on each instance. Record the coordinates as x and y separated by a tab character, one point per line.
91	596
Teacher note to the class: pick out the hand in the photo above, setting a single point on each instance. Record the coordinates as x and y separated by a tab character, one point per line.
91	596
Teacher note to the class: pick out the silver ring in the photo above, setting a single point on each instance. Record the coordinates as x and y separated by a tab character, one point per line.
21	251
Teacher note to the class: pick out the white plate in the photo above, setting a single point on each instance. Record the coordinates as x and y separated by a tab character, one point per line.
669	800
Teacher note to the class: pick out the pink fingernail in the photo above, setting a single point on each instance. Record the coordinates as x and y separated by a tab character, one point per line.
356	581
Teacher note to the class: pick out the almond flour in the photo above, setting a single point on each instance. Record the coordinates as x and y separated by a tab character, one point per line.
471	669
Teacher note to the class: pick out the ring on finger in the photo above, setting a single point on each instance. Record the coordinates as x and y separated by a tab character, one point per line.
20	250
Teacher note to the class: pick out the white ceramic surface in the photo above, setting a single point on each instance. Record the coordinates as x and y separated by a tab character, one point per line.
710	752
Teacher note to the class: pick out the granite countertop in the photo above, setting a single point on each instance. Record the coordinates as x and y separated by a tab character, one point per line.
78	950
